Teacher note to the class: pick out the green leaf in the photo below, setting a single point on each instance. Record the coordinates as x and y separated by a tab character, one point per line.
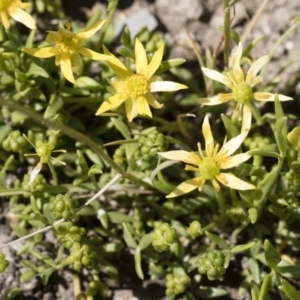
265	185
221	243
27	275
253	215
231	130
4	131
82	162
46	274
111	247
280	127
289	290
35	69
55	105
244	247
13	292
210	292
254	290
271	255
138	263
122	127
145	241
33	93
95	169
126	52
129	240
88	83
118	218
168	64
267	284
80	179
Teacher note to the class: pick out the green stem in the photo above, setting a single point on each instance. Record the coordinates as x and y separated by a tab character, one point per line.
74	134
53	172
220	201
233	197
112	6
227	24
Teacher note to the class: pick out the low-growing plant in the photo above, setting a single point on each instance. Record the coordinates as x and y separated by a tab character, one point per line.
93	129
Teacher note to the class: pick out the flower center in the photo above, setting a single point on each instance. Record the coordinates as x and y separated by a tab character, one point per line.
135	85
65	40
242	93
4	4
208	168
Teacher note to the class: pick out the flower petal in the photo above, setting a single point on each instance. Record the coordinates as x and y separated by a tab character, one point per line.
41	52
234	182
235	160
237	71
35	172
131	109
111	103
270	97
140	58
231	146
208	137
155	62
215	100
255	68
76	63
182	155
22	16
187	186
92	54
143	107
91	30
215	75
5	20
247	118
117	66
166	86
66	69
153	102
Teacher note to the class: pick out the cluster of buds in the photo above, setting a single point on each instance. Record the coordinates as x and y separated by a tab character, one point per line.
68	234
36	187
151	144
283	204
195	229
3	263
293	175
81	256
237	213
176	284
212	264
63	206
119	156
257	141
163	236
14	142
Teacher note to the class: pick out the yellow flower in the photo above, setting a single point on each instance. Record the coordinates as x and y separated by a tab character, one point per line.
14	9
135	89
66	46
211	163
241	85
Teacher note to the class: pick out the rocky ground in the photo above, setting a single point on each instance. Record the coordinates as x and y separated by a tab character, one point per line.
202	20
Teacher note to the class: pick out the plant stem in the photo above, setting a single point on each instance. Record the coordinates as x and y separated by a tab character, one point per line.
53	172
227	24
74	134
220	201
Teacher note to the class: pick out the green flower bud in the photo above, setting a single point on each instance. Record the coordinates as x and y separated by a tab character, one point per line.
194	230
3	263
212	263
162	237
63	206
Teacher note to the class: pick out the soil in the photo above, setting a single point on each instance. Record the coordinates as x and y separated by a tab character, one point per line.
201	18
